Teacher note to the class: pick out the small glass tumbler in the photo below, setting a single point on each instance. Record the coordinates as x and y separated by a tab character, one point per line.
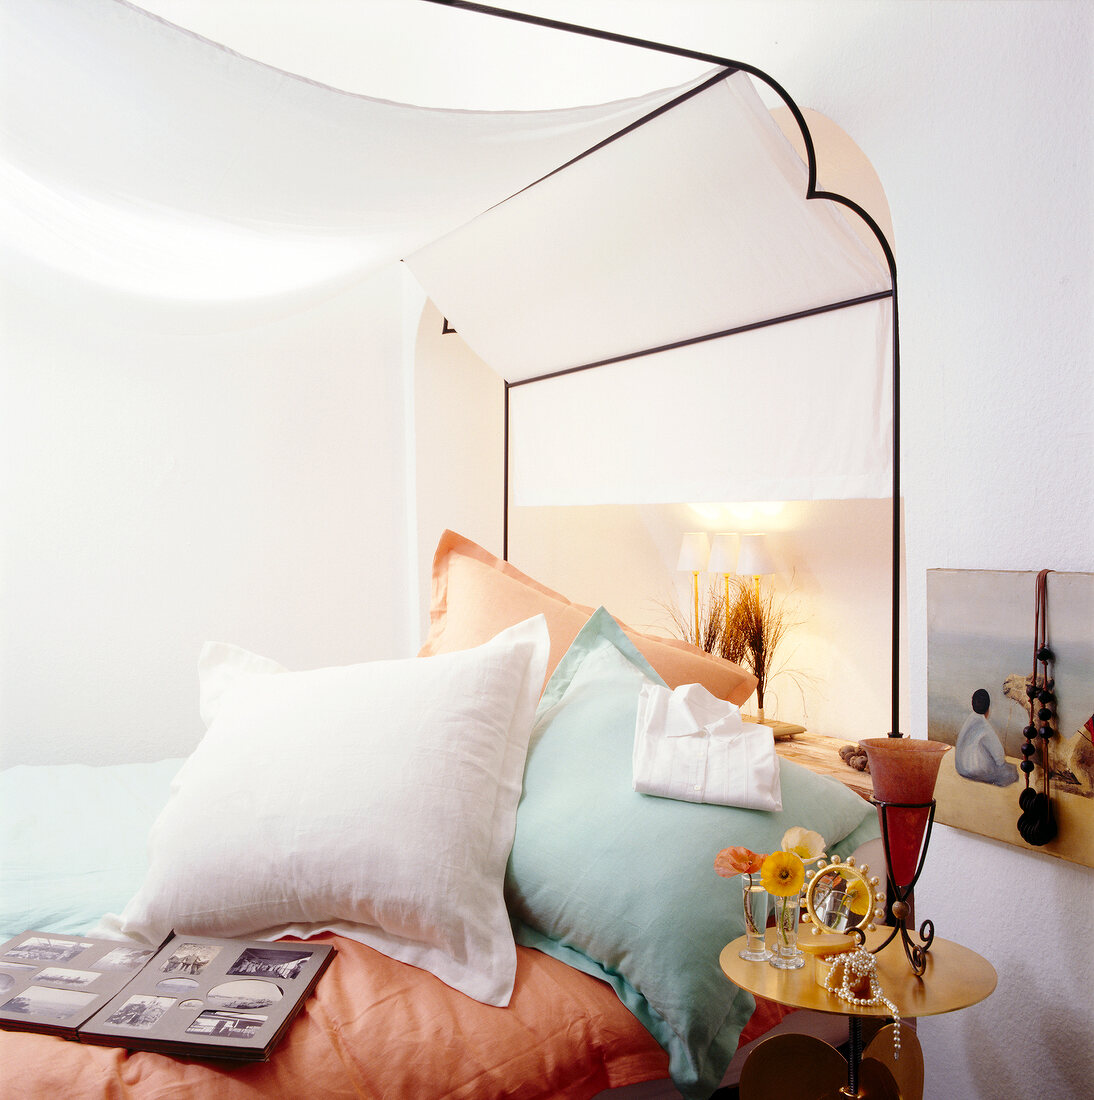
755	906
788	955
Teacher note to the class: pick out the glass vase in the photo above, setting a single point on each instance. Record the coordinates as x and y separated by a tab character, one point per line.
755	907
787	956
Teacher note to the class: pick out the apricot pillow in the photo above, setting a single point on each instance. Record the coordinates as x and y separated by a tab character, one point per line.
476	594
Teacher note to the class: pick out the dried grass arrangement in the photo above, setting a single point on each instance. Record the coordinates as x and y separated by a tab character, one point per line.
748	631
759	619
711	622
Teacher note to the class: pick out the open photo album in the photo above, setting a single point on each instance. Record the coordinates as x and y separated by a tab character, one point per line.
194	996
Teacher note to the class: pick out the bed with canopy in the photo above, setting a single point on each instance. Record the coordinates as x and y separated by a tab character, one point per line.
616	265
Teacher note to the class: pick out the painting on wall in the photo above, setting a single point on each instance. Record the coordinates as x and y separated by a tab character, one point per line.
980	658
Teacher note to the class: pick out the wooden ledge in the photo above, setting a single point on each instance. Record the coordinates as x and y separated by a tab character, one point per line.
821	755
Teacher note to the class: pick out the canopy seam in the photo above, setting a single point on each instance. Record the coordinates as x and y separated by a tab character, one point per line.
751	326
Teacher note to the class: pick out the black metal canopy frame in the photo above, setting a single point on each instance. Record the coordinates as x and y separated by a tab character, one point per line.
727	68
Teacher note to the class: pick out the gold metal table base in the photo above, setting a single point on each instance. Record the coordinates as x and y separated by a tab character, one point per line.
807	1068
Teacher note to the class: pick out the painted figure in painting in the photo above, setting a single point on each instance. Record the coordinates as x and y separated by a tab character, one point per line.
979	752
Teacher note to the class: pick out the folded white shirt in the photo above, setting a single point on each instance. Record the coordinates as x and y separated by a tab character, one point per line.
691	745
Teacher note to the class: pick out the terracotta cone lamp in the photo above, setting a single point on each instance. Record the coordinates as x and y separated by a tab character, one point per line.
904	771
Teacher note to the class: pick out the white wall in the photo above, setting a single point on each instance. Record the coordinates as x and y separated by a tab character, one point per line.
1001	305
458	413
168	482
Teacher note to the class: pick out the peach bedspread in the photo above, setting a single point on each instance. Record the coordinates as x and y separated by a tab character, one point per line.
379	1028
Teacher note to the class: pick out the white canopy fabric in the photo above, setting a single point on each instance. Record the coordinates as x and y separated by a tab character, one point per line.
691	224
798	411
138	156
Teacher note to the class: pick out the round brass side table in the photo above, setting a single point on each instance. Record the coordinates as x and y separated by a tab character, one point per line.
955	978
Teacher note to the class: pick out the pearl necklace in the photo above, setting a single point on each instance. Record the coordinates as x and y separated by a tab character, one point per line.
848	972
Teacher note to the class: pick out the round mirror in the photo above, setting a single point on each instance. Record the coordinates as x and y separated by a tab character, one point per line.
841	897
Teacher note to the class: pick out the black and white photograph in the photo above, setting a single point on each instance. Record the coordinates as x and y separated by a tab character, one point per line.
11	971
47	949
228	1025
67	979
141	1011
190	958
247	993
124	958
177	987
270	963
57	1004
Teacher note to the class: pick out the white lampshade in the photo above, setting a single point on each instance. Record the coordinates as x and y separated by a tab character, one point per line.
694	552
723	553
754	559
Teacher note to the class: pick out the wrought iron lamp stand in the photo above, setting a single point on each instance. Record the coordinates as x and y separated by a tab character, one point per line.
901	904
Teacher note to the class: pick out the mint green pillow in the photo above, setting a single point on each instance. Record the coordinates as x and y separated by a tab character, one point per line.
622	885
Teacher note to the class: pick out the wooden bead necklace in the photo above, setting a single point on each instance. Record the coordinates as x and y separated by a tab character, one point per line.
1037	824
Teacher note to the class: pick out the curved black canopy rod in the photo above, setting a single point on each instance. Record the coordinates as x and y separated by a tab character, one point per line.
729	67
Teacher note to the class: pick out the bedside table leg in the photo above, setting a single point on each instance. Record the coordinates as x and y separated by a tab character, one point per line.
854	1025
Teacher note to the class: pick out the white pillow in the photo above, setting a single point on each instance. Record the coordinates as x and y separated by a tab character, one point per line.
377	801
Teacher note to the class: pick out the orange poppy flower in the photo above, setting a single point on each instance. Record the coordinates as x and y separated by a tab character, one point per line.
736	861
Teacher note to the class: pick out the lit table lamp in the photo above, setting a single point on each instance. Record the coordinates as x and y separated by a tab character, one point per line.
694	555
723	559
754	559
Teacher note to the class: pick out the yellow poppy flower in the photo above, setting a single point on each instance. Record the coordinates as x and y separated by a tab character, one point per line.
782	874
858	897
